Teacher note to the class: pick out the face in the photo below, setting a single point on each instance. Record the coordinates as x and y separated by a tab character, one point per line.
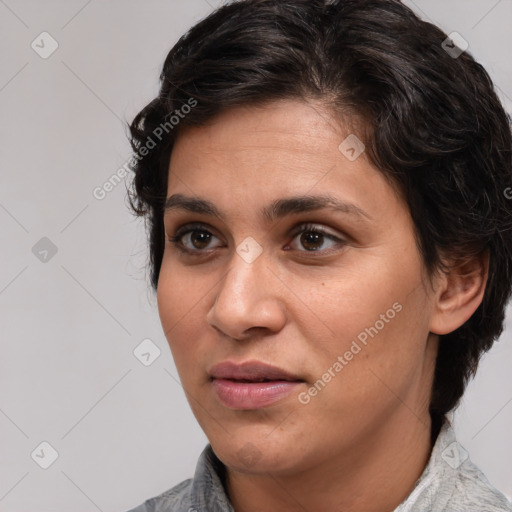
326	301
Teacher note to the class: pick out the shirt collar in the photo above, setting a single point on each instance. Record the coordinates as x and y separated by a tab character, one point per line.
207	491
446	456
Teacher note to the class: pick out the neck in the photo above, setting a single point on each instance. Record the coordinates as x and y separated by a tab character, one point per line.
374	476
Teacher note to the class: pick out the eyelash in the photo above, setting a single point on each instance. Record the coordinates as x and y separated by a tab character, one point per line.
198	227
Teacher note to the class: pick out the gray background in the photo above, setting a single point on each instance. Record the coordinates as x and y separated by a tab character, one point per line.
70	321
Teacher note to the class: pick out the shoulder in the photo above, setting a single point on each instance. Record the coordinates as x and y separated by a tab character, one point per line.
176	499
473	492
203	492
451	482
468	489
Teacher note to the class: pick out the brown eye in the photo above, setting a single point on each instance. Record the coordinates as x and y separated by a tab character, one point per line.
198	239
314	238
192	239
311	240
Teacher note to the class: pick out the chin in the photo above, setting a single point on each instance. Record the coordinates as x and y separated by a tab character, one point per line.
257	454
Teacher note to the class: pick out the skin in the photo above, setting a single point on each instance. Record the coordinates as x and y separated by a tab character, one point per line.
362	442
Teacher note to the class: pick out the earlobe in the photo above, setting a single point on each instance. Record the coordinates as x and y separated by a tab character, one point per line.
459	294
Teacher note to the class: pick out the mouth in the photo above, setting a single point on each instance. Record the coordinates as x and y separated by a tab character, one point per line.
251	371
256	381
252	384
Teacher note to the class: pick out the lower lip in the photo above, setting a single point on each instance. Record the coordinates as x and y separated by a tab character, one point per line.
252	395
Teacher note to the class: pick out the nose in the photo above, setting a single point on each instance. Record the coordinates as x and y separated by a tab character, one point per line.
248	300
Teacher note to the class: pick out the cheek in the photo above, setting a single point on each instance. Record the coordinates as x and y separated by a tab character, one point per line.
377	354
374	317
340	308
181	306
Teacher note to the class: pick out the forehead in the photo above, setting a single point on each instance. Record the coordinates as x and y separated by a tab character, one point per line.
253	155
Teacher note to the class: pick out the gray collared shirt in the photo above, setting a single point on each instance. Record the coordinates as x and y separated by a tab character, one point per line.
449	483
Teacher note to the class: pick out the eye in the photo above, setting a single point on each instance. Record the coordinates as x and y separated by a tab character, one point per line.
195	239
313	238
192	238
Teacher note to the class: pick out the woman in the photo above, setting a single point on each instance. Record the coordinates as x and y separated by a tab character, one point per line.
330	239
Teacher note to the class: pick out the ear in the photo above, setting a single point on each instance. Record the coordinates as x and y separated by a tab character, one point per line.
459	294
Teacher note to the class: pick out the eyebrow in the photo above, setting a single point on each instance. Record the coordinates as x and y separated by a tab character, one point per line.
277	209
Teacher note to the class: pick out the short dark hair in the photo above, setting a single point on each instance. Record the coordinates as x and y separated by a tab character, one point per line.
433	125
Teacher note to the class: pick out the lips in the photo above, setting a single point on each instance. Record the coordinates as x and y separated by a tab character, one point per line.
251	385
251	371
